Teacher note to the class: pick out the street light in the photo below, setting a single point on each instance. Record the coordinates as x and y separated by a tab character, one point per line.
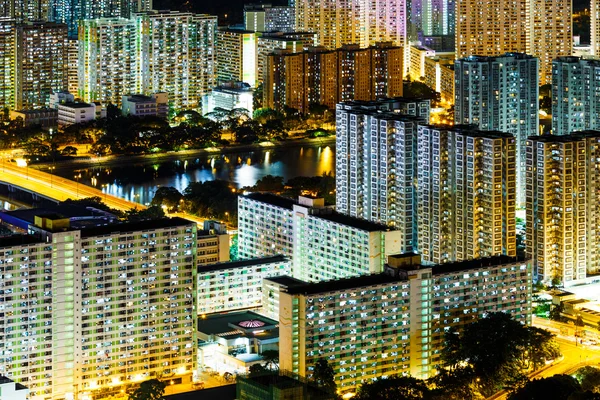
51	174
77	177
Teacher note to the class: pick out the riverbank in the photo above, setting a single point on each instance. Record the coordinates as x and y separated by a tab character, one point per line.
120	160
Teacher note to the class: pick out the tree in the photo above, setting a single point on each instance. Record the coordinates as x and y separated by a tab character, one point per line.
541	347
153	212
269	183
257	370
270	359
589	378
394	388
557	387
555	312
324	376
152	389
69	151
494	347
167	196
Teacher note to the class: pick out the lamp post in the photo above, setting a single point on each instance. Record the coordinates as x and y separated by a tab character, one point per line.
77	177
51	174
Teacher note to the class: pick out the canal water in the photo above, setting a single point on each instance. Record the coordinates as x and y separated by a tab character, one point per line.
138	181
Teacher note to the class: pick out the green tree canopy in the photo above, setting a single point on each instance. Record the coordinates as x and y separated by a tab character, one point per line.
557	387
498	349
167	196
323	375
394	388
152	389
589	378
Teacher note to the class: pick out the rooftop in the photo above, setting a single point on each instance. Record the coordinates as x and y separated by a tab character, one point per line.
478	263
73	104
140	98
362	224
289	204
18	240
147	225
64	210
286	280
383	278
220	325
242	263
574	136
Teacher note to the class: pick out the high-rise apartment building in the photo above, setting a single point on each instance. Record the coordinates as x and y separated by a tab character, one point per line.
551	33
362	22
25	10
393	323
328	77
563	186
575	95
321	243
181	56
8	42
236	58
376	144
97	309
431	18
595	27
71	12
41	63
292	42
466	193
268	18
152	52
500	93
541	28
72	68
108	59
237	285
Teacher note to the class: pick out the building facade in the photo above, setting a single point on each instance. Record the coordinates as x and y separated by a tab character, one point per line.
100	308
77	113
181	56
156	105
236	58
71	12
376	164
542	28
339	22
500	93
268	18
151	52
321	243
575	95
8	40
562	206
439	75
466	193
237	285
292	42
393	323
328	77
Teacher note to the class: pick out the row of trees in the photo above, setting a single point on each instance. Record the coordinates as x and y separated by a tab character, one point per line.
217	199
118	134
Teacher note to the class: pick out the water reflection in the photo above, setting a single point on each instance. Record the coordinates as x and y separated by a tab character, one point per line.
138	182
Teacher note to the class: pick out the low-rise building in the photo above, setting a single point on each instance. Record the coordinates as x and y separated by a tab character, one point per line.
45	117
70	113
232	342
60	97
155	105
229	96
10	390
237	285
391	323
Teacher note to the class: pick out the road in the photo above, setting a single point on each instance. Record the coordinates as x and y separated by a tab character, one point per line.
575	355
58	188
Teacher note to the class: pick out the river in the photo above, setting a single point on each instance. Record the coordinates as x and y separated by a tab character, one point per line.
139	180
